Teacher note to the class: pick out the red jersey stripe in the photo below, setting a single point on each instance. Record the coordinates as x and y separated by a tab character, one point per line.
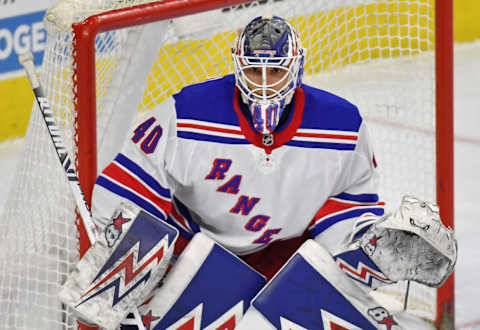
327	136
210	128
333	206
118	174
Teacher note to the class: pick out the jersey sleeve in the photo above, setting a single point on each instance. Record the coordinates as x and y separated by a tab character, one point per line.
357	197
138	173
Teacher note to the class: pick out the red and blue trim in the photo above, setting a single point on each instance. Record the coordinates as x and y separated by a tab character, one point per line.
126	179
360	198
343	207
209	131
358	266
181	218
324	139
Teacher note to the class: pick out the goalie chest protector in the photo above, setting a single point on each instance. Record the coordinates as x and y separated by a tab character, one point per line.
221	178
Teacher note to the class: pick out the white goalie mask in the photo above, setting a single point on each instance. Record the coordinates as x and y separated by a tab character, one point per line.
268	61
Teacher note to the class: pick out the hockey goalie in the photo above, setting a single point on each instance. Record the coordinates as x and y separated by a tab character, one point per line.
258	194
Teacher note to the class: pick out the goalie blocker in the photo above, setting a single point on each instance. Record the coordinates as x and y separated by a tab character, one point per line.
126	262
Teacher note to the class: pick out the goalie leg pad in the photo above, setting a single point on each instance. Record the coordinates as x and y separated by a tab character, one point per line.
121	268
207	288
311	292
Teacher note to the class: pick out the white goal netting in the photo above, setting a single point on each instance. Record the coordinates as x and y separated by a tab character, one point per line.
379	54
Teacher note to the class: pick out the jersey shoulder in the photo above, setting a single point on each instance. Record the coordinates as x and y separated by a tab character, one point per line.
210	101
324	110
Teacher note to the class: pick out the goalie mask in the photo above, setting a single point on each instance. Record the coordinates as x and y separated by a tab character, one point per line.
268	60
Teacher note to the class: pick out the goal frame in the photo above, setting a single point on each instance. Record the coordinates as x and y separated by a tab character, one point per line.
86	31
444	144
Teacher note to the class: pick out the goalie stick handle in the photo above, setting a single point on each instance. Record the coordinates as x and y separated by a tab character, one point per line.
26	60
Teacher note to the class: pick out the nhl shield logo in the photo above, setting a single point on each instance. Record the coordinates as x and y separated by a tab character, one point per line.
267	139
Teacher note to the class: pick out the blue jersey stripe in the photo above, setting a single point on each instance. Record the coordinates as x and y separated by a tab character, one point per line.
321	145
186	215
328	222
363	198
144	176
211	138
147	206
171	221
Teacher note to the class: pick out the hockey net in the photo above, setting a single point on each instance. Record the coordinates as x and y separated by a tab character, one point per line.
101	72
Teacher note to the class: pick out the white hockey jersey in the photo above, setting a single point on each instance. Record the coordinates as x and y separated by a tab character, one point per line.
197	162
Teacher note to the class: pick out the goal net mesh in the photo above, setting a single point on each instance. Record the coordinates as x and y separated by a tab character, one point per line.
378	54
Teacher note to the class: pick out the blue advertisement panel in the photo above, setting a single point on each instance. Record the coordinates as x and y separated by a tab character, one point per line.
19	34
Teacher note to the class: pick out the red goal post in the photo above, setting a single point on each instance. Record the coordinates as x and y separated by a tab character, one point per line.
444	135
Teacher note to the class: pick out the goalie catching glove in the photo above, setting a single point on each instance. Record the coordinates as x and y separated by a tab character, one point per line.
412	244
